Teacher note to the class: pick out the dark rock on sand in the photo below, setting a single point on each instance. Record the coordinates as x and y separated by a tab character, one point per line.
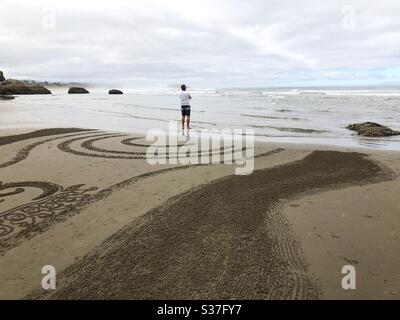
6	97
115	91
371	129
77	90
10	87
2	76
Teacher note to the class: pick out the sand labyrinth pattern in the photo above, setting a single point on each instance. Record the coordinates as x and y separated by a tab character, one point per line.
57	203
217	241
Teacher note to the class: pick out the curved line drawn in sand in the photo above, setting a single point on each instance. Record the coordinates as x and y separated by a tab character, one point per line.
223	240
39	133
128	155
23	153
129	142
88	145
46	187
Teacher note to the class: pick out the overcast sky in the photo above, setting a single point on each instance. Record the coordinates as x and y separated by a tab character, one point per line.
207	43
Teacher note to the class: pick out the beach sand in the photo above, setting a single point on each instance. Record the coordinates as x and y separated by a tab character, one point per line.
88	203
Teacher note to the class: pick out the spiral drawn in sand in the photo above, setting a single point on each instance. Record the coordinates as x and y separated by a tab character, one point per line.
88	148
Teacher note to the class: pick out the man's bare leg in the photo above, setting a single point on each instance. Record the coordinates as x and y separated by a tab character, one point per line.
183	123
188	122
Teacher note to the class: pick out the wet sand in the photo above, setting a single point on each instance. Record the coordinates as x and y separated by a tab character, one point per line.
115	227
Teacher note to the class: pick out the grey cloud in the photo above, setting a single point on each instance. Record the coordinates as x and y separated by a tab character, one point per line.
209	42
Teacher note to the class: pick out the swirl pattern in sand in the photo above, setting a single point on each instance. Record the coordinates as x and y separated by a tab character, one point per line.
224	240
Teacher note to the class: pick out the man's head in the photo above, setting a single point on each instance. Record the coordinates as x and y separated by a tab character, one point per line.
183	87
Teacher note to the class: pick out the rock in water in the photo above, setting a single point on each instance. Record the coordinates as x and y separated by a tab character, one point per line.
10	87
372	129
2	76
77	90
115	91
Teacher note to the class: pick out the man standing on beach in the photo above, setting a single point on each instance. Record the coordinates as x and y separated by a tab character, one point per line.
185	106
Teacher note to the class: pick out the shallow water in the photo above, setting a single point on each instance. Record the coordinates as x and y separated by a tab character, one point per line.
314	116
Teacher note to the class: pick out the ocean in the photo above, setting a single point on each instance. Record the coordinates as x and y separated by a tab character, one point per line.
293	115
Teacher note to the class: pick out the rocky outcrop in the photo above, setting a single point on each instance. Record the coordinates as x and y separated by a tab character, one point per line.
115	91
372	129
2	76
15	87
6	97
77	90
